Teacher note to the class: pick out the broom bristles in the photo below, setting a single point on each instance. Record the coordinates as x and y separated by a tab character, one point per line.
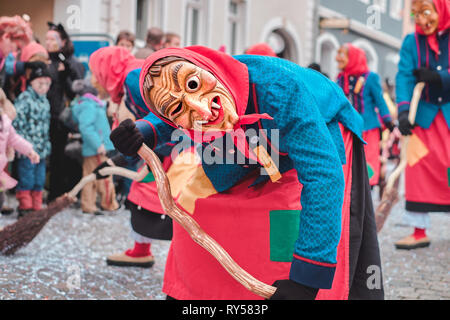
24	230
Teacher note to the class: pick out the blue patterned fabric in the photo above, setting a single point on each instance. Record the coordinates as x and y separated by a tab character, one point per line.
369	101
306	108
33	120
415	54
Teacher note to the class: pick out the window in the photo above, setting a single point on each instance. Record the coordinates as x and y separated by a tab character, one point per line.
141	19
236	26
396	9
195	22
149	13
364	1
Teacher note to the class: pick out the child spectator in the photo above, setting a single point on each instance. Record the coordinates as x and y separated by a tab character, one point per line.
33	123
89	113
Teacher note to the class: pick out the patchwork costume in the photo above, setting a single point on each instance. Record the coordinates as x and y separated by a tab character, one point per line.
363	88
287	229
427	175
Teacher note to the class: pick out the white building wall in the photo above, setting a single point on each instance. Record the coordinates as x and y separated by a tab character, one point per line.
261	17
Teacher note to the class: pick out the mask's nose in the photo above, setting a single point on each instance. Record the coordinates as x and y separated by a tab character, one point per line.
201	107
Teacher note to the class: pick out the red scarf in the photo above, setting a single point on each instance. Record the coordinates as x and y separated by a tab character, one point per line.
356	66
110	65
443	10
229	71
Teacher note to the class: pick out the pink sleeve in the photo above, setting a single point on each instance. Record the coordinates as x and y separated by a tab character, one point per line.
15	140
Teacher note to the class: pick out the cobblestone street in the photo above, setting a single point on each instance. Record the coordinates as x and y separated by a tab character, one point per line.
67	261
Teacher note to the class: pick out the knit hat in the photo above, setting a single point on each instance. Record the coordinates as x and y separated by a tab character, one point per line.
39	72
83	86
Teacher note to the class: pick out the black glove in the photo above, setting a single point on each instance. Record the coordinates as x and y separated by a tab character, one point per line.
428	76
404	125
390	126
118	160
35	65
290	290
127	138
99	176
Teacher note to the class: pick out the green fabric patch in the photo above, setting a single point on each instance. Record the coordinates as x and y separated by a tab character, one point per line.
448	176
370	171
284	229
149	178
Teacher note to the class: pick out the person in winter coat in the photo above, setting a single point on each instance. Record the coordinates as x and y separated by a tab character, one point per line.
425	57
33	123
64	69
363	88
89	113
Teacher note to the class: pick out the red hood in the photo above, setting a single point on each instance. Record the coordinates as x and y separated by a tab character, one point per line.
110	65
356	66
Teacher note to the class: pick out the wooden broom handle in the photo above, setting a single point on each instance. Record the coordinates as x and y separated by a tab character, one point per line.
405	140
107	171
196	232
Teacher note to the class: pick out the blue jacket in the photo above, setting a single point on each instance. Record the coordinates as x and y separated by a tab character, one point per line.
415	53
33	120
306	108
369	102
93	125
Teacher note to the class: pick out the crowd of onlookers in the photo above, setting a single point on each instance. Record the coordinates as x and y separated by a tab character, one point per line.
55	123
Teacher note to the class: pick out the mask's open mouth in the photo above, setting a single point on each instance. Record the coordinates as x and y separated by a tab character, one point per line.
216	110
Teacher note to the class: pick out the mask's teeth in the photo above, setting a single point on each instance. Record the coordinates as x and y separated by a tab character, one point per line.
201	122
215	106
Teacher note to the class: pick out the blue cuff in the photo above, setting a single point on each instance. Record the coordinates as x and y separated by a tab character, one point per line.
148	131
312	274
445	78
403	106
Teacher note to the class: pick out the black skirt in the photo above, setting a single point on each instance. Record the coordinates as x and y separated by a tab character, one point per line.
150	224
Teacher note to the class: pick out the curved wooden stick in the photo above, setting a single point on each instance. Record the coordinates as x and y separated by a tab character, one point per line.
107	171
196	232
405	140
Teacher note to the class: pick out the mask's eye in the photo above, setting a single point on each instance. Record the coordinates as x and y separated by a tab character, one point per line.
426	13
193	84
177	110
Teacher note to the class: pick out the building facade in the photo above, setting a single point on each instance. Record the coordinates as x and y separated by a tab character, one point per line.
377	26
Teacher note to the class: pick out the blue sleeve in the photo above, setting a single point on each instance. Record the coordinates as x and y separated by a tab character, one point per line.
306	138
156	132
377	93
405	80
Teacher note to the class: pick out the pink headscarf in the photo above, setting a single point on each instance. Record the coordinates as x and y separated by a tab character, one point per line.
356	66
110	66
443	10
31	49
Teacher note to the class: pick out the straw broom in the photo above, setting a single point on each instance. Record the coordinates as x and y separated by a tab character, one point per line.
24	230
390	194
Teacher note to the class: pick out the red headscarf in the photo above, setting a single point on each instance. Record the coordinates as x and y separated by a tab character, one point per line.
443	10
229	71
110	65
356	66
261	49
